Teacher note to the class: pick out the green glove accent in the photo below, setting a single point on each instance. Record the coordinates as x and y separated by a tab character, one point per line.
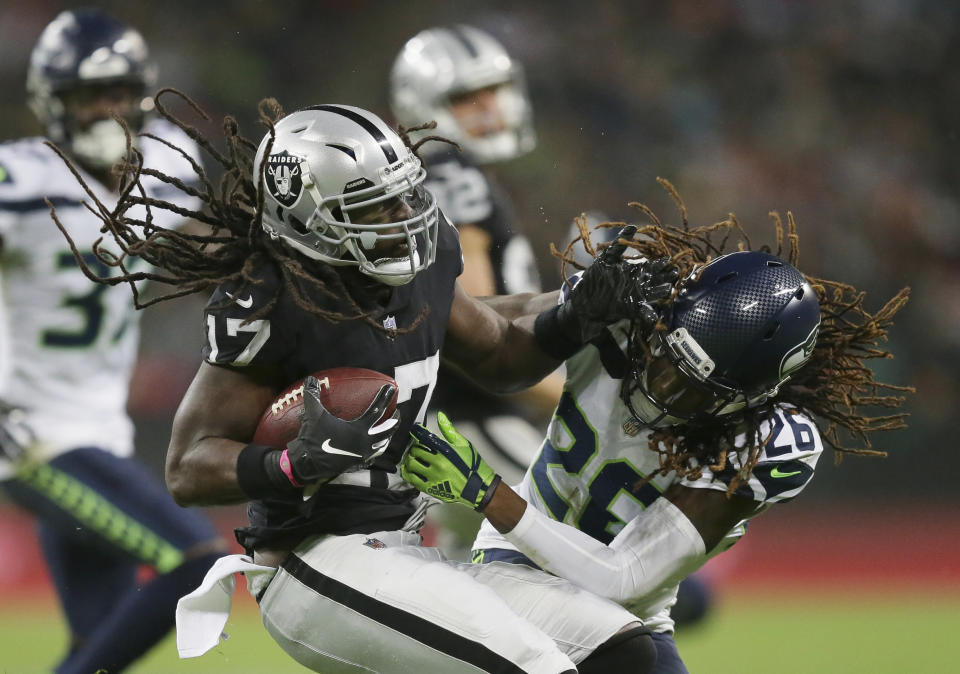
448	468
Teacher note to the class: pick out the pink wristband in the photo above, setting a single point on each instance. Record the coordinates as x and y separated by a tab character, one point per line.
287	468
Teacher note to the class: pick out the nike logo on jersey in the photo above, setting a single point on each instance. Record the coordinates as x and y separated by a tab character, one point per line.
330	449
776	472
244	303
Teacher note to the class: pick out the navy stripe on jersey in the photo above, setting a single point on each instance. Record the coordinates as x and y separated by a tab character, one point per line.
461	36
27	205
368	126
424	631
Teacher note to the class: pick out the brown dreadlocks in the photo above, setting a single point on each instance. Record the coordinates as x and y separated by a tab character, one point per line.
235	245
834	385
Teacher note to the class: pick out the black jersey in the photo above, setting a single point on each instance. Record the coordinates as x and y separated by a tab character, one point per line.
295	343
469	196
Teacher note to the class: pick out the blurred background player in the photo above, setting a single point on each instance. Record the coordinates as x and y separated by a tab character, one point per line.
463	79
72	346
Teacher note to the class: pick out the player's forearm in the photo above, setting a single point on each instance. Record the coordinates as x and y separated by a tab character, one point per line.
205	473
656	549
517	363
521	304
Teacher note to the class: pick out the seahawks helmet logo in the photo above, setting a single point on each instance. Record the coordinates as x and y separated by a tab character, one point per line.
799	354
283	178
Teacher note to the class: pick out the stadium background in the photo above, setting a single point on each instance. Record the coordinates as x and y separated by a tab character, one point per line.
845	113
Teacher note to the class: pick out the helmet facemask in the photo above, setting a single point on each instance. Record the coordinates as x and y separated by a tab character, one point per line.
360	222
673	385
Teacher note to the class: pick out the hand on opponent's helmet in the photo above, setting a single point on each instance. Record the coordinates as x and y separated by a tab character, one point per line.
611	289
449	467
327	446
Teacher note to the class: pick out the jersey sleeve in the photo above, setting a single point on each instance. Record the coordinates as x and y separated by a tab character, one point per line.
231	338
20	166
791	448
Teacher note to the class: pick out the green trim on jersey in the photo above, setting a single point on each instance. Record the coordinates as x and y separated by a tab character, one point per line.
101	516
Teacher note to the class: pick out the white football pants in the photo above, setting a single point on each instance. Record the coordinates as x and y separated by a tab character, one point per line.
383	603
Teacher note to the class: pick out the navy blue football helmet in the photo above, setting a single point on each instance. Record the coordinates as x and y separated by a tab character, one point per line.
737	330
86	48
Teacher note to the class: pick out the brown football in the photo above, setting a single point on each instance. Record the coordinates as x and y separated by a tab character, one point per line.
346	392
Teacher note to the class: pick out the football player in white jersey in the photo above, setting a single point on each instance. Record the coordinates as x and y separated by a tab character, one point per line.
463	78
71	347
672	431
332	253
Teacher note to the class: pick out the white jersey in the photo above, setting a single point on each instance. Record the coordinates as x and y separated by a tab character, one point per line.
592	465
70	344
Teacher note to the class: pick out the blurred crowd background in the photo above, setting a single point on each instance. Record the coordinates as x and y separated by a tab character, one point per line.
844	113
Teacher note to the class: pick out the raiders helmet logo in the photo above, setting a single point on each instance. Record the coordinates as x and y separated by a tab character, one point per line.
283	178
799	354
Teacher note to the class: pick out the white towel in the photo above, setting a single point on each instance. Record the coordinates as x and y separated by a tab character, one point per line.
202	614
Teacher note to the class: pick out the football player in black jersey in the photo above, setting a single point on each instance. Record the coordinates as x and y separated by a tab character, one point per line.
463	79
330	252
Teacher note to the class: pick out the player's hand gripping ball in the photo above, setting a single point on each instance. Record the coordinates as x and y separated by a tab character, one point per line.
333	421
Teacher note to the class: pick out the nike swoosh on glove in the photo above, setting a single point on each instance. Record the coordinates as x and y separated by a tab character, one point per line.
327	445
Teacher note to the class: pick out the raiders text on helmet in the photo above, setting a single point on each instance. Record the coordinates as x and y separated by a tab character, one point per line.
438	63
334	181
735	335
85	48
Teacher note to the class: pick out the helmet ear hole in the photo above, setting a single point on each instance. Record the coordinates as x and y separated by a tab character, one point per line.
297	224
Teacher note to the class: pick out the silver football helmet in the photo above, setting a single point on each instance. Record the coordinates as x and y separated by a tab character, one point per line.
440	63
340	186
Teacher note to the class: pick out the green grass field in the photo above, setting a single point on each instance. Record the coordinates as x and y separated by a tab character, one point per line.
789	634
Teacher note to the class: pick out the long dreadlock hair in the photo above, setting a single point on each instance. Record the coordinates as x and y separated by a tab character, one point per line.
235	245
834	386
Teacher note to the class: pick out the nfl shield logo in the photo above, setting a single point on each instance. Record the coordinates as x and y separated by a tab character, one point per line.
390	322
375	543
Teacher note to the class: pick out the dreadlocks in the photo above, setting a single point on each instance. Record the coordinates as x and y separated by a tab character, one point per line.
834	385
235	245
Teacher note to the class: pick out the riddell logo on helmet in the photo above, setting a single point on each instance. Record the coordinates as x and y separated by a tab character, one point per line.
283	178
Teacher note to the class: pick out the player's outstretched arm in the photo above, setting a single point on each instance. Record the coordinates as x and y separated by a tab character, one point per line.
662	545
510	343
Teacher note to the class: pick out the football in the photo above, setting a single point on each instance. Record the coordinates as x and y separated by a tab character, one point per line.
346	392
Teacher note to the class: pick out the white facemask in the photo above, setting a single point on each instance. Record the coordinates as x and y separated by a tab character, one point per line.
100	145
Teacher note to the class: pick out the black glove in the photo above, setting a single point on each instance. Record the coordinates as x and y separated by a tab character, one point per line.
612	289
327	446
